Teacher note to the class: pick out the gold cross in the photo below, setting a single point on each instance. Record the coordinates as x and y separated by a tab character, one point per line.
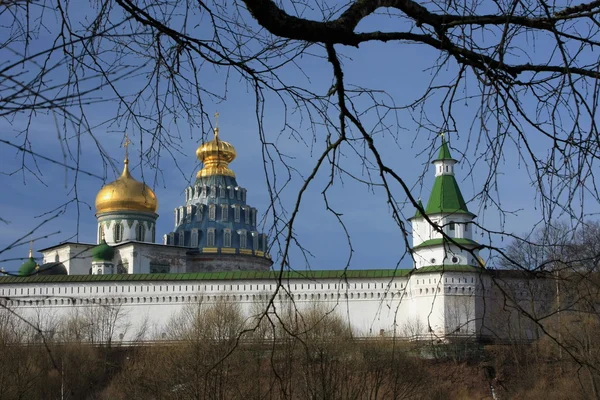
126	145
217	124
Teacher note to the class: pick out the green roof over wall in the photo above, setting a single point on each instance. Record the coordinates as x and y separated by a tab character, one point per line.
201	276
445	241
446	197
449	268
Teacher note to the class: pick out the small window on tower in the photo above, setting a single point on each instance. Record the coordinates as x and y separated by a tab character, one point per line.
210	237
140	232
243	238
194	239
451	226
466	227
224	212
236	215
118	232
212	212
227	237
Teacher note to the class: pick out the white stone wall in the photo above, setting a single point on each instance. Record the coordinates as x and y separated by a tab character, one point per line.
372	306
423	306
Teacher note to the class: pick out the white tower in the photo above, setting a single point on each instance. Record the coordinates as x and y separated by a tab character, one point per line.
445	299
446	209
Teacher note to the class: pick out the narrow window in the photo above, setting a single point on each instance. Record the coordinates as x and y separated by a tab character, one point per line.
212	212
466	227
182	238
222	192
230	192
227	237
194	239
243	237
247	215
236	215
118	232
224	212
451	226
210	237
140	232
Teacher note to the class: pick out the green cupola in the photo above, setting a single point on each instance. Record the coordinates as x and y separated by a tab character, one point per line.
103	252
29	267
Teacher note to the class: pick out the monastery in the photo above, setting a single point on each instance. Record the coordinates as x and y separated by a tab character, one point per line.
216	253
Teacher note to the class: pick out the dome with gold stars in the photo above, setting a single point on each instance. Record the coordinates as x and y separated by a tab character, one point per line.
126	194
215	157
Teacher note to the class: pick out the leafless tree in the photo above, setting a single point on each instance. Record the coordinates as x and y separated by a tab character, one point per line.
525	75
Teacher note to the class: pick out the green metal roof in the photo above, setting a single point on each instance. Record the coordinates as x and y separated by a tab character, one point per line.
28	267
449	268
445	241
202	276
444	153
446	197
103	252
418	212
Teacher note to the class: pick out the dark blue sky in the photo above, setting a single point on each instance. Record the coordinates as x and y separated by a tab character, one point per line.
403	71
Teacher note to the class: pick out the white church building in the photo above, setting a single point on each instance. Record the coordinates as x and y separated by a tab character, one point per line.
215	253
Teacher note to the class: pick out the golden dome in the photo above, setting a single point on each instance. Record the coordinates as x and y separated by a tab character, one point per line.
215	157
126	194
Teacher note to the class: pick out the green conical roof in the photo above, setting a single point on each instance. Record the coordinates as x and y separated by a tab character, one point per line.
444	153
446	197
418	212
103	252
28	267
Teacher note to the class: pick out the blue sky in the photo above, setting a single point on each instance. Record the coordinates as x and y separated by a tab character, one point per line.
401	70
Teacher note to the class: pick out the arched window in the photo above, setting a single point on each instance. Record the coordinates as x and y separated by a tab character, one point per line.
236	213
181	238
451	226
140	232
118	232
212	212
247	215
227	238
194	240
243	237
210	237
224	212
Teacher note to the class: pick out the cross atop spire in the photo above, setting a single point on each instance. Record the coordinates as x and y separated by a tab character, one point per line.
217	125
31	249
126	144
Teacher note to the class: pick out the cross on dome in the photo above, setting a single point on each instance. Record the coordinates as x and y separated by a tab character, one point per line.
126	144
216	125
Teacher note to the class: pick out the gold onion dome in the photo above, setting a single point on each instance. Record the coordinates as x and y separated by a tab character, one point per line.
215	157
126	194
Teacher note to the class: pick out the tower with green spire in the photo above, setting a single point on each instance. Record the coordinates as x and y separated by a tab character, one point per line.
447	240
